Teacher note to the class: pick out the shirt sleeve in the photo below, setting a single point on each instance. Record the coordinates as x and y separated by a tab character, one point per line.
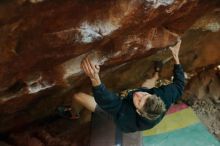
172	92
106	99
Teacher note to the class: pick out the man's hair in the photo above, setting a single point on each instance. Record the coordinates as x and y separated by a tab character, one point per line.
153	108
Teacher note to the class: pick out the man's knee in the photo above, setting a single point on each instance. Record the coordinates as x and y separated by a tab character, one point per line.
77	95
80	96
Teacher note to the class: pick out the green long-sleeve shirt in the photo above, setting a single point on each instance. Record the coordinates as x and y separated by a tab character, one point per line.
124	111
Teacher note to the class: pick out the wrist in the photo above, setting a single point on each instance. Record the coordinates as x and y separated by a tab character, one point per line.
95	81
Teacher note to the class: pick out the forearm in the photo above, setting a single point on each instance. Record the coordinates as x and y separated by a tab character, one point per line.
179	79
176	60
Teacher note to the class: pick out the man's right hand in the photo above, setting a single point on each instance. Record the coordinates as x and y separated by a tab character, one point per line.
175	51
91	70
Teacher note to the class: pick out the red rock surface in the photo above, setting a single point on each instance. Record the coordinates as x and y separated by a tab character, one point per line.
43	42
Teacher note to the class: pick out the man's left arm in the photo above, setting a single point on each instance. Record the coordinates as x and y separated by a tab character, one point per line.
172	92
178	73
106	99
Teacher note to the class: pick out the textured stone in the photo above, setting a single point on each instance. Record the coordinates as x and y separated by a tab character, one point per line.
204	96
43	42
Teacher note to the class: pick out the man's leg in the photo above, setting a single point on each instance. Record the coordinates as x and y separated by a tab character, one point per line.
81	100
150	83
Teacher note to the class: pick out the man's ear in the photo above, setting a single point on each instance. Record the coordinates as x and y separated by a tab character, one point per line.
139	99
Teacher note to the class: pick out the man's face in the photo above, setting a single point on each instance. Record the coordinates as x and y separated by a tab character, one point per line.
139	99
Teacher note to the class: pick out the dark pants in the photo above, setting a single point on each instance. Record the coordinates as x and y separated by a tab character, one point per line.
105	132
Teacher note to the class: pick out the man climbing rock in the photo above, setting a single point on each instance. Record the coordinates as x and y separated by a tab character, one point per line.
137	109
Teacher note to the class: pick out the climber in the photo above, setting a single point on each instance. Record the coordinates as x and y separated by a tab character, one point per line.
136	109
